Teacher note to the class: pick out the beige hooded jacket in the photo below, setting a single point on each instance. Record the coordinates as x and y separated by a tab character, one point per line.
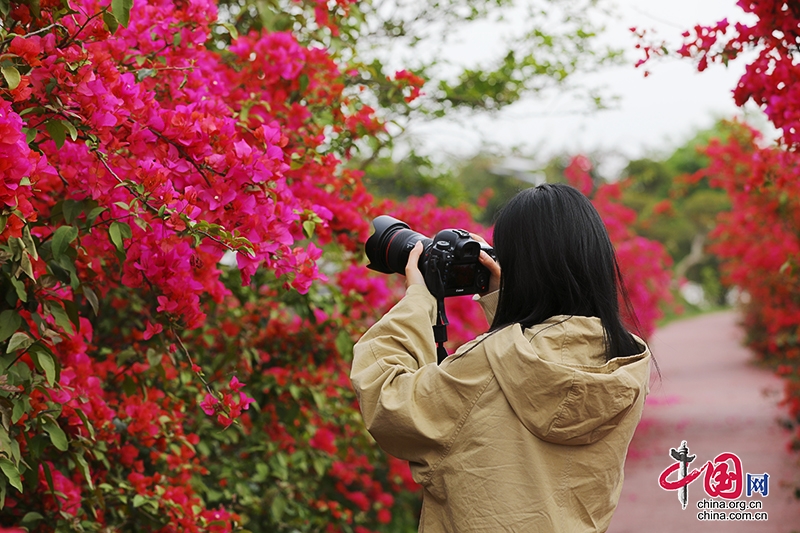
522	431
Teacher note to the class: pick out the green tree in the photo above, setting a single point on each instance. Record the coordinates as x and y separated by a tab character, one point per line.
414	175
678	214
548	42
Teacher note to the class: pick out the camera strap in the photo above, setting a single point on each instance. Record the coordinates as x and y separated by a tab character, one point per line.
440	330
435	282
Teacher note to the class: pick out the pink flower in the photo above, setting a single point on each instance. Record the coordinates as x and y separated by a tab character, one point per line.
151	329
209	404
245	401
68	494
324	440
235	384
27	48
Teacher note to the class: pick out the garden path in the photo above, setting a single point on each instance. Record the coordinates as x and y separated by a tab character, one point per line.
714	397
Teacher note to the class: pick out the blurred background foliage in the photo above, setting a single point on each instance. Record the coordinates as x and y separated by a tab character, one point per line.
670	209
378	38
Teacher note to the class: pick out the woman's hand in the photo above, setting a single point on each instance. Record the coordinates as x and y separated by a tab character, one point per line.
492	265
413	274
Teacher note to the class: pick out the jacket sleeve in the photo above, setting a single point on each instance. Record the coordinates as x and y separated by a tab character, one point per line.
410	405
488	304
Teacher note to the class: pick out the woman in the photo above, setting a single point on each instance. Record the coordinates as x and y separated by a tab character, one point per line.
525	428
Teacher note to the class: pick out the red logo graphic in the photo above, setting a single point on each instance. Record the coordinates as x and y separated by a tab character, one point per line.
723	476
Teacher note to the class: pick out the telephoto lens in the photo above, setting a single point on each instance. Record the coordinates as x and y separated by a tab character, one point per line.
388	247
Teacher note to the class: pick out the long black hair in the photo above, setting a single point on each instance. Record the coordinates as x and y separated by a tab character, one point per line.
557	259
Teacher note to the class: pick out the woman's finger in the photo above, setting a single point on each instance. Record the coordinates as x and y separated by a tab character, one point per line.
413	275
487	261
478	238
494	270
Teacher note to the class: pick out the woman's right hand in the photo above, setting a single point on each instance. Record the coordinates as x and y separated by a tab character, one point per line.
492	265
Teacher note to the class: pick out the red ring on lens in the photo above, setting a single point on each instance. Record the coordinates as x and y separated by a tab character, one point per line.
389	245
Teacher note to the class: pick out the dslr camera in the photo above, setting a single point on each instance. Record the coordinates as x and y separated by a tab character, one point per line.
449	262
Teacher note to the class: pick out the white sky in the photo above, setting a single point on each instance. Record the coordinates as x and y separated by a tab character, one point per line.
655	114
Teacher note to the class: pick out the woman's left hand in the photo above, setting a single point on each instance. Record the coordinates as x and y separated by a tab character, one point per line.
490	264
413	274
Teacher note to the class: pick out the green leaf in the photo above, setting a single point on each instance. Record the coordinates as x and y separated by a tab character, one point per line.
72	313
73	133
59	272
31	519
5	442
231	29
118	231
88	425
57	435
62	239
11	472
19	341
295	391
61	317
92	297
21	407
122	11
11	74
129	386
16	247
69	266
262	472
36	109
9	323
320	465
48	475
84	467
26	266
57	131
308	228
277	507
94	213
344	344
71	209
111	22
144	73
139	500
27	240
19	287
44	360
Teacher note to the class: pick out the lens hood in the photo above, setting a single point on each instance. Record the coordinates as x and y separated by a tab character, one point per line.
377	245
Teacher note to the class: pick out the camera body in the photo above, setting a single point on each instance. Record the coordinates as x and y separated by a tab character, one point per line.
449	262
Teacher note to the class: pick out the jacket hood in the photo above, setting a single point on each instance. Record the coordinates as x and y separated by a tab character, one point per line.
556	379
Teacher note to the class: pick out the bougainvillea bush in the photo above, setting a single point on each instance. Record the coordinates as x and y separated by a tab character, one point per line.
758	242
182	276
758	239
